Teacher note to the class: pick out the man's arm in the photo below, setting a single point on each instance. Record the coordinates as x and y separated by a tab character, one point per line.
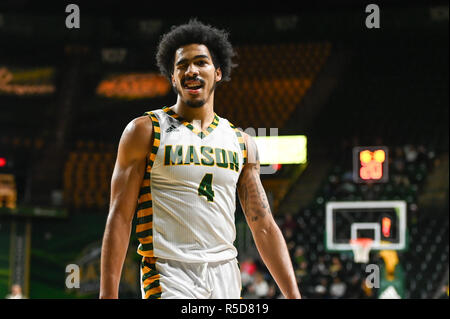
134	146
268	238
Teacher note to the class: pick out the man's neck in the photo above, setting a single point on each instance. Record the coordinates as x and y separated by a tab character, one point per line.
199	117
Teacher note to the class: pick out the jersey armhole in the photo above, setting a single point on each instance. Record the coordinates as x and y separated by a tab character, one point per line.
241	141
156	138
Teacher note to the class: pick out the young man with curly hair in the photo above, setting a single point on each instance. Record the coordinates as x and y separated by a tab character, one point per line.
178	169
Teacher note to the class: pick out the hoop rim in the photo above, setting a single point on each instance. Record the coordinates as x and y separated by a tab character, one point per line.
361	242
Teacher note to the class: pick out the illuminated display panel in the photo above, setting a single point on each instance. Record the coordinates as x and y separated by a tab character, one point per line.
29	81
370	164
134	86
289	149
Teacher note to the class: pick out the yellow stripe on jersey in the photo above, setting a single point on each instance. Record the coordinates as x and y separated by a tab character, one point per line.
144	209
142	228
147	240
144	212
241	141
150	278
145	198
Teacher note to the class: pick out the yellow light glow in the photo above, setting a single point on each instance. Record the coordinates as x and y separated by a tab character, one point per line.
379	156
365	156
289	149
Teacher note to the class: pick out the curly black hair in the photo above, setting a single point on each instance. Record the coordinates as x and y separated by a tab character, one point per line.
195	32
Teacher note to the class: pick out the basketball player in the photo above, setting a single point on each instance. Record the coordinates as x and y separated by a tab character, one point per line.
178	167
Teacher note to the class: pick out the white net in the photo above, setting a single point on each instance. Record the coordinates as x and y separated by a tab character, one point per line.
361	249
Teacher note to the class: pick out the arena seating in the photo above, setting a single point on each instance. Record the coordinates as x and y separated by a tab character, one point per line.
270	82
87	176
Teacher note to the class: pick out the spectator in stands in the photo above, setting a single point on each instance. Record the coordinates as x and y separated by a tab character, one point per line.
259	288
321	289
301	271
354	287
301	225
398	161
299	262
410	153
337	288
422	156
16	292
273	292
400	180
368	292
347	176
320	267
335	267
444	292
289	223
248	268
299	256
290	240
345	189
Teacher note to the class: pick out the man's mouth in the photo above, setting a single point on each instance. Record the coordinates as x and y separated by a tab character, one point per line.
193	86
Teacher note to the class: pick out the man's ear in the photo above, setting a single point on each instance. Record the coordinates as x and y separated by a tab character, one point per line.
173	80
218	74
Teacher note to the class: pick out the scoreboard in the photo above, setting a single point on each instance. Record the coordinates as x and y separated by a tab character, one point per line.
370	164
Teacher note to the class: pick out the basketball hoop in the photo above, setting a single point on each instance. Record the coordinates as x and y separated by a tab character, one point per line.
361	249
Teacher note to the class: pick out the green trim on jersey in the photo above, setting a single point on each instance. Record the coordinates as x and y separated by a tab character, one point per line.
199	133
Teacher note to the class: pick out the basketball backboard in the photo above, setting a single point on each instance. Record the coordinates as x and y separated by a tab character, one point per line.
382	221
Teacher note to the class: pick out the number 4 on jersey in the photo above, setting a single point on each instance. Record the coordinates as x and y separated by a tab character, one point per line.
205	188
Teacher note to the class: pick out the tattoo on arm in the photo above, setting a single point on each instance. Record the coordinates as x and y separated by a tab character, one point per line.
260	189
244	199
253	198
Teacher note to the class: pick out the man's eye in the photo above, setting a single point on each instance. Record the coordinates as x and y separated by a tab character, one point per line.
201	63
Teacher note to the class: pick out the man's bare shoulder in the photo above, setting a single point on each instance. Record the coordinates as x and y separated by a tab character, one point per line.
252	149
137	136
141	125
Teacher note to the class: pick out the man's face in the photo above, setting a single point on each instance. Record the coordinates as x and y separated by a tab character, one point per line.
16	290
194	77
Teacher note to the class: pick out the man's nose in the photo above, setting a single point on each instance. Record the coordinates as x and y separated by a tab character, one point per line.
192	70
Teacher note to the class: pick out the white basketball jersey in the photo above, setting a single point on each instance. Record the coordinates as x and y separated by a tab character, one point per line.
187	202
